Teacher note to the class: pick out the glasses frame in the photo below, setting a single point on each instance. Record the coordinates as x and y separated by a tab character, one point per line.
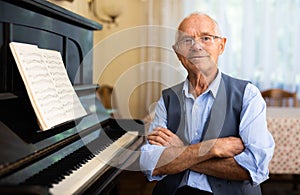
202	42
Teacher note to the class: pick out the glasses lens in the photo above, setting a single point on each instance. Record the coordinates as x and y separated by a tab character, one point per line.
206	39
186	43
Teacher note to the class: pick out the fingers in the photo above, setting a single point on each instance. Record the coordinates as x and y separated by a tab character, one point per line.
233	145
164	137
159	136
164	130
226	147
236	142
155	143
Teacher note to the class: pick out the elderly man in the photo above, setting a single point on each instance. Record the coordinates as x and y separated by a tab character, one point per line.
209	134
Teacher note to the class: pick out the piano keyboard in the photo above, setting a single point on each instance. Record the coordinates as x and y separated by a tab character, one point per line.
76	182
85	165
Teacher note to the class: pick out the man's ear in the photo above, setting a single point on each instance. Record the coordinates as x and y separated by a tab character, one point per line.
175	48
222	45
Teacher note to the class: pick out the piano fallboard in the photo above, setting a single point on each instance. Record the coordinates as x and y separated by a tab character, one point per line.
53	161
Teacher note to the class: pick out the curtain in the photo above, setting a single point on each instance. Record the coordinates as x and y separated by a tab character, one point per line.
160	69
263	42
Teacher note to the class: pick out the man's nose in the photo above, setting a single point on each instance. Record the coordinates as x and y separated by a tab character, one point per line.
197	46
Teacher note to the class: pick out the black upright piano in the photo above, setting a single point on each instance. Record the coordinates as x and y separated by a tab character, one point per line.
83	156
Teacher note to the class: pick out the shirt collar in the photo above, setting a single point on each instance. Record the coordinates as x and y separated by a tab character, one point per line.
212	88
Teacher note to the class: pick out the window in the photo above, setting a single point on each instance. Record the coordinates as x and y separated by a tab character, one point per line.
263	39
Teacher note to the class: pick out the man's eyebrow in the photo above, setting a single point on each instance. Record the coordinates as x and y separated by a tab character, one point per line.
184	36
205	33
200	34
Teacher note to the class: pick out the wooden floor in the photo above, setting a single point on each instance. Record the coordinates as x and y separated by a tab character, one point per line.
135	183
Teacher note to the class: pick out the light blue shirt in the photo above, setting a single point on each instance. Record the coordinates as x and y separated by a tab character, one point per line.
259	143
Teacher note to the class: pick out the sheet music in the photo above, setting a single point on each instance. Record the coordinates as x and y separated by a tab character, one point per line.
50	91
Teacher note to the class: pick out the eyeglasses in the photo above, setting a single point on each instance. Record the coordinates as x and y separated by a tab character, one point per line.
188	42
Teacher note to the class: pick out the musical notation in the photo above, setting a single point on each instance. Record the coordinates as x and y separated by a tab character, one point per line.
46	80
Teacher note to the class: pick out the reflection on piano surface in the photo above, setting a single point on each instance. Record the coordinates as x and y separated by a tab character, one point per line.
78	157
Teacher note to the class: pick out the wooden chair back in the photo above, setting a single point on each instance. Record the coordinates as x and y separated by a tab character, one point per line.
105	93
279	97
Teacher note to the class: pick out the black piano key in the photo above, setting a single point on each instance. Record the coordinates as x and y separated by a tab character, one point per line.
64	167
56	172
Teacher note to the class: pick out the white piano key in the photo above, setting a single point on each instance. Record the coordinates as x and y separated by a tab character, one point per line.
80	178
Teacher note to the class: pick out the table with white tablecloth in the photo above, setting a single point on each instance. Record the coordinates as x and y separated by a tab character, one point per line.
284	124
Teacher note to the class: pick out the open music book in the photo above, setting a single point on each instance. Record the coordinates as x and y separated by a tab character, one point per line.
51	93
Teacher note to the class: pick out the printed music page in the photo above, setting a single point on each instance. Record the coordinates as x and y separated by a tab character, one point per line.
50	91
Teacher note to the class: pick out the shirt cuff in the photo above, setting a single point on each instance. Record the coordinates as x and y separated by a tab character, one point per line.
257	168
150	155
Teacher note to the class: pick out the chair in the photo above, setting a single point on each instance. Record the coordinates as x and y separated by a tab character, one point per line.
279	97
105	95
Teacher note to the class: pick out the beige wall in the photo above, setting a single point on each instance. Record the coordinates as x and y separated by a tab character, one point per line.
110	64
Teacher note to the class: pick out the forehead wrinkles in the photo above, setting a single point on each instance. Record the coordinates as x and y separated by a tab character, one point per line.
197	25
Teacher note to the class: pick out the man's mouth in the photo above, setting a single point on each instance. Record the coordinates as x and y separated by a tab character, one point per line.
197	57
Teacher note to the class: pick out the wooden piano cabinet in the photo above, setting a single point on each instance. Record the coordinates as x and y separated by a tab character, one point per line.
48	26
27	154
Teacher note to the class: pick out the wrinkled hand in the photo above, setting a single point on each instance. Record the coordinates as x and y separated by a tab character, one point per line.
224	147
164	137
